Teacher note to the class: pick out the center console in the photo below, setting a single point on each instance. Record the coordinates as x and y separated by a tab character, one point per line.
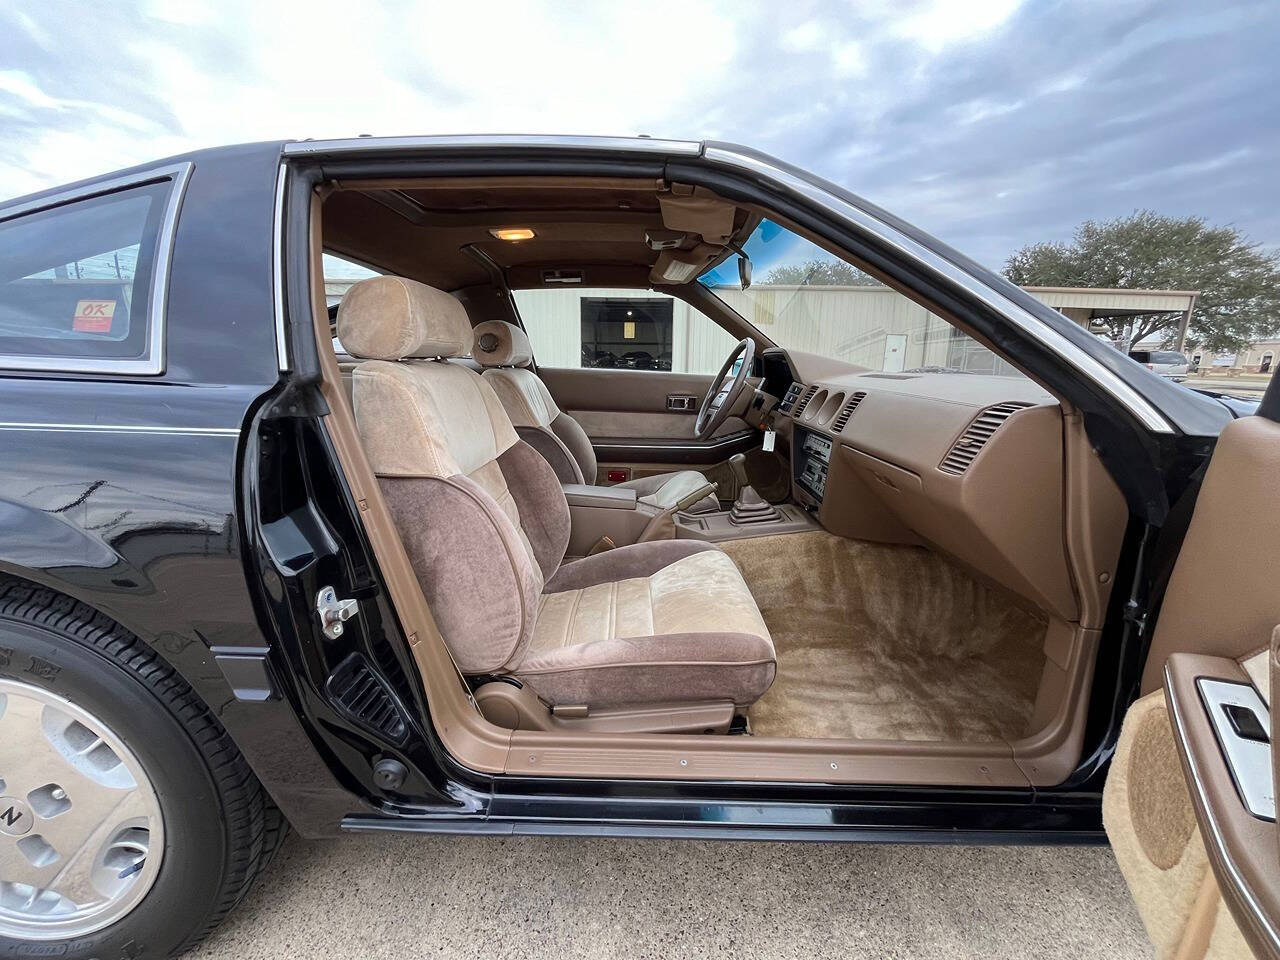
598	512
616	513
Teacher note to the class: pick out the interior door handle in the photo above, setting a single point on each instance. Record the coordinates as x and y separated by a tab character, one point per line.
682	402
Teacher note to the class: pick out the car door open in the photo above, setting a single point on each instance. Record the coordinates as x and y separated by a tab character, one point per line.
1190	799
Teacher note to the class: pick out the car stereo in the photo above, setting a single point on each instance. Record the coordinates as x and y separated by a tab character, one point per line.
813	455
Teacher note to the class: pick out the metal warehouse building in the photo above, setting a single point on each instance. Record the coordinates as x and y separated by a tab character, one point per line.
873	326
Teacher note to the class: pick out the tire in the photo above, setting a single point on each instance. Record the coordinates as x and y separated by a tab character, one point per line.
219	827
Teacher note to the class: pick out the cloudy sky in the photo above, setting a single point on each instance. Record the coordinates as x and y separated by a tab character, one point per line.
991	123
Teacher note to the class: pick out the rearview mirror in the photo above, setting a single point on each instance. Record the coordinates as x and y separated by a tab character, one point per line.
744	271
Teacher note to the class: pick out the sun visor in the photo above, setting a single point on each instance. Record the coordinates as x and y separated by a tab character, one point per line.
709	217
681	266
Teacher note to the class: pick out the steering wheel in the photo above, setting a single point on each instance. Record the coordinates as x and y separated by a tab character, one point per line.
725	390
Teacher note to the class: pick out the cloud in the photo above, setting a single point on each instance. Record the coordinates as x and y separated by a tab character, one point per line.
992	124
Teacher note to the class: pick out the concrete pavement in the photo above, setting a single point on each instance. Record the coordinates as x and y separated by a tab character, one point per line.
381	895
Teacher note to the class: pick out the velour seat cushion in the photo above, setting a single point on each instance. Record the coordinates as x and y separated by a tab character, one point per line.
669	621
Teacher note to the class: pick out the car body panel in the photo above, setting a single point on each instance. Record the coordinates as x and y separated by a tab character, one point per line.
121	491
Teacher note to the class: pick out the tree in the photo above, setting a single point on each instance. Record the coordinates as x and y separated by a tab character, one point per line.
827	273
1238	282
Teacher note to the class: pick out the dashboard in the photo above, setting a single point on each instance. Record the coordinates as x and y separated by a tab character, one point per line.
968	464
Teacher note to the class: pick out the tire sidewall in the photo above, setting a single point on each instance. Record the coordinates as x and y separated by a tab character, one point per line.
195	833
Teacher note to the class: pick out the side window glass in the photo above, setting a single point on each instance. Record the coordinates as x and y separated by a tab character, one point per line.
621	329
340	275
78	280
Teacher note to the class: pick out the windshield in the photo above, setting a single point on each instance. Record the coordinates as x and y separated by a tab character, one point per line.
803	298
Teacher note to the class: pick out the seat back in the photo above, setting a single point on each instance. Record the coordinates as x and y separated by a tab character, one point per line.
503	350
483	518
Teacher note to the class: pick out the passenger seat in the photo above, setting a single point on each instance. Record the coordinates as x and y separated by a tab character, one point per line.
485	524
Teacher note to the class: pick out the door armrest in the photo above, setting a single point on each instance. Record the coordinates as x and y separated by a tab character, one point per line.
1241	847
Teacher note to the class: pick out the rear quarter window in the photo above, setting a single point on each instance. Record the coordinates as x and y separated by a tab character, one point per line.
82	280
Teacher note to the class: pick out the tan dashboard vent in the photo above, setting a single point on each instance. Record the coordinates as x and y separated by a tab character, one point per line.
976	435
804	402
847	411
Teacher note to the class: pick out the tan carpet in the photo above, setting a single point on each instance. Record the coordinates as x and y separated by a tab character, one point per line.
887	643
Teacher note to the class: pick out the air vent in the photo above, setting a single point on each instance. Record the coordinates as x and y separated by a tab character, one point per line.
976	435
847	412
804	402
361	694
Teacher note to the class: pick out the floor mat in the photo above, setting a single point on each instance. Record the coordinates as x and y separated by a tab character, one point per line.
885	642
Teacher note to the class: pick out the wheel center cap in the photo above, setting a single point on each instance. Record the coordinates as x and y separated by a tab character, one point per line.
15	817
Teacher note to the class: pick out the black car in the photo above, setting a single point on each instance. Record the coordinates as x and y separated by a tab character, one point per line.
423	565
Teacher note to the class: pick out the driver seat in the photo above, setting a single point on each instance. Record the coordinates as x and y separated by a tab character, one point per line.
503	350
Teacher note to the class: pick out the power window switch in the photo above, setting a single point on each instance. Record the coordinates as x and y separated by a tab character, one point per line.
1245	723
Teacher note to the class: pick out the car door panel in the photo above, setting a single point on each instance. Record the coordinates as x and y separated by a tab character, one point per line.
626	415
631	404
1242	848
1223	596
1203	870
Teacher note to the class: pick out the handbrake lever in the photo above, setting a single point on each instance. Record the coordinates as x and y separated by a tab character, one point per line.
662	526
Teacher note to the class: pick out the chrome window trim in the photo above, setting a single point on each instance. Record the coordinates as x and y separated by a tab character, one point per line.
1214	834
645	145
154	362
277	268
871	226
22	426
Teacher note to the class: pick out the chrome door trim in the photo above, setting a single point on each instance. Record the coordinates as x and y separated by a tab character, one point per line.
154	362
883	233
277	268
21	426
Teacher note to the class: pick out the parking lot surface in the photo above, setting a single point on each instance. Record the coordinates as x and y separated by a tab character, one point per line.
401	896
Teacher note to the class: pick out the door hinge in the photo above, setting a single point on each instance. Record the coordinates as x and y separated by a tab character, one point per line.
333	612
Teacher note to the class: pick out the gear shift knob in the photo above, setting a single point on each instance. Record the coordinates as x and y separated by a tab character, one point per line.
750	507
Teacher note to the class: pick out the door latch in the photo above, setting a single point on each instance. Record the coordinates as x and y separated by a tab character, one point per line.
682	402
333	612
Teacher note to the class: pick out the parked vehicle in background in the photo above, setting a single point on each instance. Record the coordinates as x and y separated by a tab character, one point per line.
1167	363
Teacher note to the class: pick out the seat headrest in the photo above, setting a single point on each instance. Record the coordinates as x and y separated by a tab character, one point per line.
501	344
391	318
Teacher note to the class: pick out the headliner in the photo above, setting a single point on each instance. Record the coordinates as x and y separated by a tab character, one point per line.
431	230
